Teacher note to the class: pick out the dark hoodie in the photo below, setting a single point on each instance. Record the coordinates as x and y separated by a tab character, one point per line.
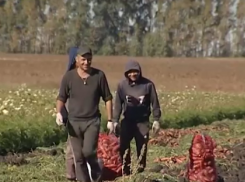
72	61
135	99
71	65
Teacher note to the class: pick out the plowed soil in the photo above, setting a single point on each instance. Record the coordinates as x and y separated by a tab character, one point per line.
207	74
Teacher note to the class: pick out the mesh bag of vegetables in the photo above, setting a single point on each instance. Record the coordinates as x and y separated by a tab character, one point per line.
201	166
108	151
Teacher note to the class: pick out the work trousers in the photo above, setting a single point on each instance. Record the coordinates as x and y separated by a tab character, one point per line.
140	132
83	141
70	164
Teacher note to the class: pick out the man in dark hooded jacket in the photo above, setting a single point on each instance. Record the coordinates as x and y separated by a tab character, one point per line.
134	97
70	165
72	56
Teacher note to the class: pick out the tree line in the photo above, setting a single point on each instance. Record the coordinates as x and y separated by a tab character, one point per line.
163	28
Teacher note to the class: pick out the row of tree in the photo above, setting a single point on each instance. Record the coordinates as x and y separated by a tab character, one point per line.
118	27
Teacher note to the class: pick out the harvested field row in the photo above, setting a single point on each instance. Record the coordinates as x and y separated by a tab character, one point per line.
228	156
171	74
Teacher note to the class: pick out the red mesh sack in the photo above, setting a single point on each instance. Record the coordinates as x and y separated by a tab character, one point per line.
108	151
201	166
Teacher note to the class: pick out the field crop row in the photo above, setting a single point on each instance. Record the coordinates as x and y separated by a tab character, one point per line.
28	115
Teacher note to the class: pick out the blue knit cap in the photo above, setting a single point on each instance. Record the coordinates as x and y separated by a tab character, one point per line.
72	56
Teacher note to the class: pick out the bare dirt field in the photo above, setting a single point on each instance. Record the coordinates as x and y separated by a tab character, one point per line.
172	74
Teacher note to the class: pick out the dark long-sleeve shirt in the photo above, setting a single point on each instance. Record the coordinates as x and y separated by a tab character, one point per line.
135	100
84	98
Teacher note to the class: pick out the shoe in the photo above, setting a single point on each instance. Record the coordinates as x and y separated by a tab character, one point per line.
71	179
140	170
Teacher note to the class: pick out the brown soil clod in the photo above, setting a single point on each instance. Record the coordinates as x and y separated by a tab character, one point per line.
21	159
158	168
14	159
48	151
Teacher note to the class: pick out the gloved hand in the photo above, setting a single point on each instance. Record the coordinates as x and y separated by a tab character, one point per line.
111	126
59	119
155	127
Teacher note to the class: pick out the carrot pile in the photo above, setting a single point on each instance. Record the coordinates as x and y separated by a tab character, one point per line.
201	166
108	151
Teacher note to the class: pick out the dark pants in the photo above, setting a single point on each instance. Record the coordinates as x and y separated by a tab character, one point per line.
70	164
83	137
140	132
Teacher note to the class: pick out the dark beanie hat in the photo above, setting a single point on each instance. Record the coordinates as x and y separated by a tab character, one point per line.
72	56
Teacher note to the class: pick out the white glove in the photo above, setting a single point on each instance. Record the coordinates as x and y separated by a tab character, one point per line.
59	119
155	127
111	126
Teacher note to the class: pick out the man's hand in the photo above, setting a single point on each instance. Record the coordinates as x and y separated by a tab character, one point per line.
111	126
155	127
59	119
60	105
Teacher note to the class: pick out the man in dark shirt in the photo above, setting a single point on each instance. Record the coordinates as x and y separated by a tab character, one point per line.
134	96
83	87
